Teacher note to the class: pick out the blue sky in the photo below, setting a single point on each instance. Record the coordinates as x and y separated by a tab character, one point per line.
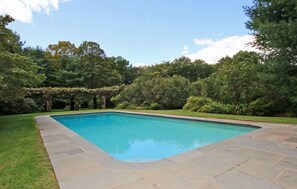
142	31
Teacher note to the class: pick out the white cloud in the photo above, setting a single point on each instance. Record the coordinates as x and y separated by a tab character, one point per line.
185	50
22	10
214	50
202	42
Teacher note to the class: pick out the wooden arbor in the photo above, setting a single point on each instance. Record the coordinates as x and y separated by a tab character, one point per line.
48	93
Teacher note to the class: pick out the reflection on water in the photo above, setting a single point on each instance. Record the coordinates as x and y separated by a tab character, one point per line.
146	138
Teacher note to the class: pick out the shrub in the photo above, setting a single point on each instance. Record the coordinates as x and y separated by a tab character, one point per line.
115	99
215	107
18	106
155	106
167	92
90	104
239	109
145	104
195	103
261	106
123	105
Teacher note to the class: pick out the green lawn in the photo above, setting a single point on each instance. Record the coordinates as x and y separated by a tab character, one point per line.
286	120
24	162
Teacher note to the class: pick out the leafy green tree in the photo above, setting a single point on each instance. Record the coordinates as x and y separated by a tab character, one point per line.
89	49
58	52
191	70
40	57
104	75
63	66
182	66
124	68
167	92
237	79
119	64
274	25
94	65
85	66
132	73
9	40
69	75
158	70
16	71
37	54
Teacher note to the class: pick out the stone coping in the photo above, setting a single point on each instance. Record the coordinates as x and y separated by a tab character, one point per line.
263	158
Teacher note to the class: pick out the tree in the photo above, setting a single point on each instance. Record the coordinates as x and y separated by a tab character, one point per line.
158	70
132	73
191	70
124	68
39	56
55	53
182	66
70	74
85	66
166	92
100	74
89	49
274	25
93	63
63	66
9	41
16	71
63	48
237	79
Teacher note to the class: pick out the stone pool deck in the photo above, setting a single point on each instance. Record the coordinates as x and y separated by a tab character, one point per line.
265	158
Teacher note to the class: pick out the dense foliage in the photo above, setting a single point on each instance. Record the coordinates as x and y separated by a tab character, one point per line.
66	65
59	65
16	71
274	25
157	92
237	79
192	70
248	83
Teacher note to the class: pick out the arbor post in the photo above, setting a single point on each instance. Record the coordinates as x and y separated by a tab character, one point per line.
103	106
48	103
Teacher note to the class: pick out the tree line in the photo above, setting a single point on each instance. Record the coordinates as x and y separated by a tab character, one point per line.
247	83
59	65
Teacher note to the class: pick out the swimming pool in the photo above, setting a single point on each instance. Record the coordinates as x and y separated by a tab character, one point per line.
142	138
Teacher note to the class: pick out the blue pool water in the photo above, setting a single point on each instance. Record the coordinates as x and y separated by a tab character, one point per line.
138	138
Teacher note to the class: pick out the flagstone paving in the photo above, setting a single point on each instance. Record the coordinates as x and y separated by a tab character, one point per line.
265	158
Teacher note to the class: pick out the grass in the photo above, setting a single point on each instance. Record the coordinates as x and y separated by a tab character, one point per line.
284	120
24	162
